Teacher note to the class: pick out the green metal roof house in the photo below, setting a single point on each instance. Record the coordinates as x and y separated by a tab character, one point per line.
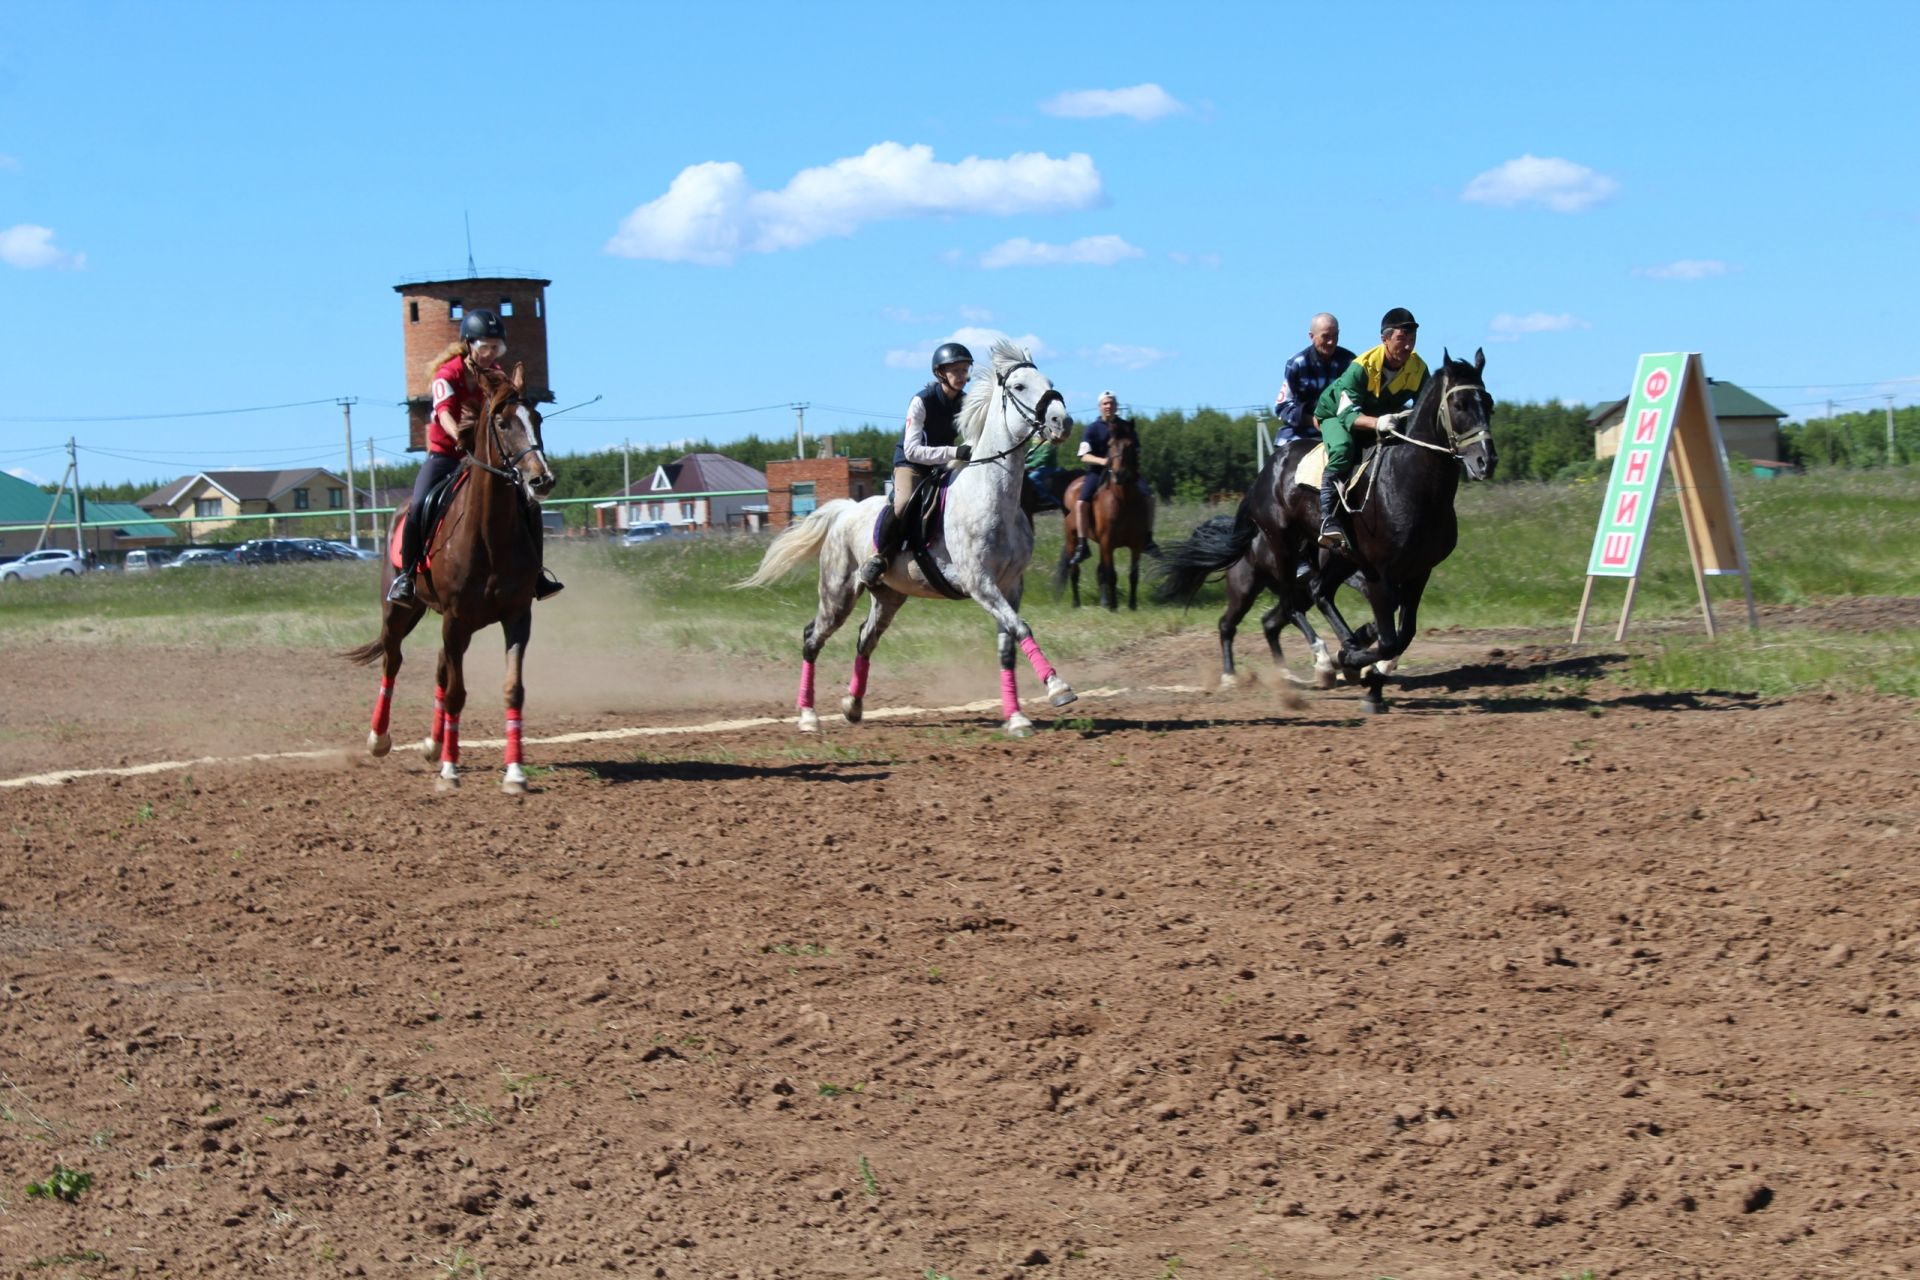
25	503
1749	426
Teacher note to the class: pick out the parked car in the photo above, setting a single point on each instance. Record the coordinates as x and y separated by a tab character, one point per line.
200	556
43	564
347	551
646	531
275	551
147	559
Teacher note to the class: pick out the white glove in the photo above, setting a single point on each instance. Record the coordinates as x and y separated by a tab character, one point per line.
1393	421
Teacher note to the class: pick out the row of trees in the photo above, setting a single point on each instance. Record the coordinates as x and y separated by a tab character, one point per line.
1194	456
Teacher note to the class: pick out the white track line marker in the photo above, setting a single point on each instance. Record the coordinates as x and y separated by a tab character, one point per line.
591	735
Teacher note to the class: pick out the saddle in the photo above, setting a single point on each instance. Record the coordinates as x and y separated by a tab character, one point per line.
921	525
432	512
1314	465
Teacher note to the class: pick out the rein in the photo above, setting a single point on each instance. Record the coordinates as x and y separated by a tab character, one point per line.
511	471
1455	443
1035	418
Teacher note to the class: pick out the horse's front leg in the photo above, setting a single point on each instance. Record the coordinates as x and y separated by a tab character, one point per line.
454	638
431	743
1133	579
1391	651
1017	725
837	590
1109	576
518	629
886	603
995	602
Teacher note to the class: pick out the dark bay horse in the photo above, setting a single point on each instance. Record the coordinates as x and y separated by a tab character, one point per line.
1402	522
1120	522
484	560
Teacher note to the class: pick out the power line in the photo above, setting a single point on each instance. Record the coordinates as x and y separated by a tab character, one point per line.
156	417
680	417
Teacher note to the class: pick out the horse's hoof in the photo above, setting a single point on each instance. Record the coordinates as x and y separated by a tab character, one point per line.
809	720
852	708
1227	682
1060	693
431	746
1385	668
1372	707
446	782
378	744
515	781
1325	677
1018	726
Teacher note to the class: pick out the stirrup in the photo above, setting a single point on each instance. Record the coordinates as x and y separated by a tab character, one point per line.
547	586
1334	538
401	592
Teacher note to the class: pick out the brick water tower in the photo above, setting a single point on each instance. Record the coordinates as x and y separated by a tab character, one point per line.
430	315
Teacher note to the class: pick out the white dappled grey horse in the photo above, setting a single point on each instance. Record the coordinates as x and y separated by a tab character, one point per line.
983	549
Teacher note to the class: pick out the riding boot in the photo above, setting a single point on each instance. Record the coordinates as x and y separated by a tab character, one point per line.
401	592
886	544
1332	534
548	585
1084	552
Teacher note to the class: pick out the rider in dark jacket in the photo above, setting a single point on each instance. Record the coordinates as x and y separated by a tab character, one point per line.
930	441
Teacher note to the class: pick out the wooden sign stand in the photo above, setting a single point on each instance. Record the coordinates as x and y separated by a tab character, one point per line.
1669	417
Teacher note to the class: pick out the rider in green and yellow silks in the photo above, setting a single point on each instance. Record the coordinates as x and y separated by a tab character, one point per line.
1381	382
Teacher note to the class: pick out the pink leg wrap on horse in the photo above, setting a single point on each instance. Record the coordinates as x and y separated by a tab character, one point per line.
806	686
513	737
1009	694
857	686
439	710
450	743
1041	667
383	706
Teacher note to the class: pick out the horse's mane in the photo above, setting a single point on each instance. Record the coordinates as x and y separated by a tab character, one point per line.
973	413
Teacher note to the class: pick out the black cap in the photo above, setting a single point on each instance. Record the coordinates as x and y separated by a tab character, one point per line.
950	353
481	324
1398	318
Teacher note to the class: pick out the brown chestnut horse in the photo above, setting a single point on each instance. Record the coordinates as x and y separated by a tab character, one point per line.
483	562
1121	520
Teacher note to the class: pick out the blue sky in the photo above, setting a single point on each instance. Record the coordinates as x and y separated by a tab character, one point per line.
205	206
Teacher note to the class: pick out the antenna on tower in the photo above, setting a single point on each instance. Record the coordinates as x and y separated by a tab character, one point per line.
467	220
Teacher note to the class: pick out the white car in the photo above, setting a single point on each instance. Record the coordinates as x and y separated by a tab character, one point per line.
43	564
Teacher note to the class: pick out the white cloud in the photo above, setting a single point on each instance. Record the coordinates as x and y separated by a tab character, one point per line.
1685	269
28	246
1142	102
31	477
1126	357
975	339
1510	328
711	214
1088	251
1560	185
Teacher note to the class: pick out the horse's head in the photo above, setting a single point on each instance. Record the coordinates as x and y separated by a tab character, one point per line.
1025	397
1123	454
509	440
1466	413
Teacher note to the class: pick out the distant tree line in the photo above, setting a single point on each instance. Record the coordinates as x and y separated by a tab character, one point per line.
1193	456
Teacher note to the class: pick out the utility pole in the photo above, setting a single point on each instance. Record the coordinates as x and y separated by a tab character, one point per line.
1829	410
800	430
1890	458
373	497
1262	443
626	483
79	505
53	507
346	404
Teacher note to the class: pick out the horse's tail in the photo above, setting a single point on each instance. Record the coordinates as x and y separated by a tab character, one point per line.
1212	548
366	653
797	545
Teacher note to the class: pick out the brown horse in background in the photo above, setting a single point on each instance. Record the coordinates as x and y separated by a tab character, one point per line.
482	563
1121	519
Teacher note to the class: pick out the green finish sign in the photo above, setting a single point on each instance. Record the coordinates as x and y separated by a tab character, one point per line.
1645	434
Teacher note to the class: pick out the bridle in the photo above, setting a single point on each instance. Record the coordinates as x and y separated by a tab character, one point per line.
1456	440
510	471
1035	417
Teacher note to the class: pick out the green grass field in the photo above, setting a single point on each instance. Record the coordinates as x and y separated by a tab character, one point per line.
1520	565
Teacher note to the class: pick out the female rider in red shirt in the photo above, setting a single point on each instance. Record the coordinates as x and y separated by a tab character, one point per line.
456	400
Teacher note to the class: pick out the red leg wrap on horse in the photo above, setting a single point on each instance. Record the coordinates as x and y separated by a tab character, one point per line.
450	741
383	706
858	685
1009	695
513	737
1041	667
806	685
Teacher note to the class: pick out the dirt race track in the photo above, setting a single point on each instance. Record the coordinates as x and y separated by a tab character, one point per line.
1522	979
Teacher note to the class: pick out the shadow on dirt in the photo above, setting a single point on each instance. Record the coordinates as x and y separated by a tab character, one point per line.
1551	695
726	771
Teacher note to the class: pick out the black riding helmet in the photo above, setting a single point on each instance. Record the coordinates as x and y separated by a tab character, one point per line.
950	353
481	324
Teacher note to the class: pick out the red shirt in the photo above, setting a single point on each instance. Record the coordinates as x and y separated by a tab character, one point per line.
453	392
